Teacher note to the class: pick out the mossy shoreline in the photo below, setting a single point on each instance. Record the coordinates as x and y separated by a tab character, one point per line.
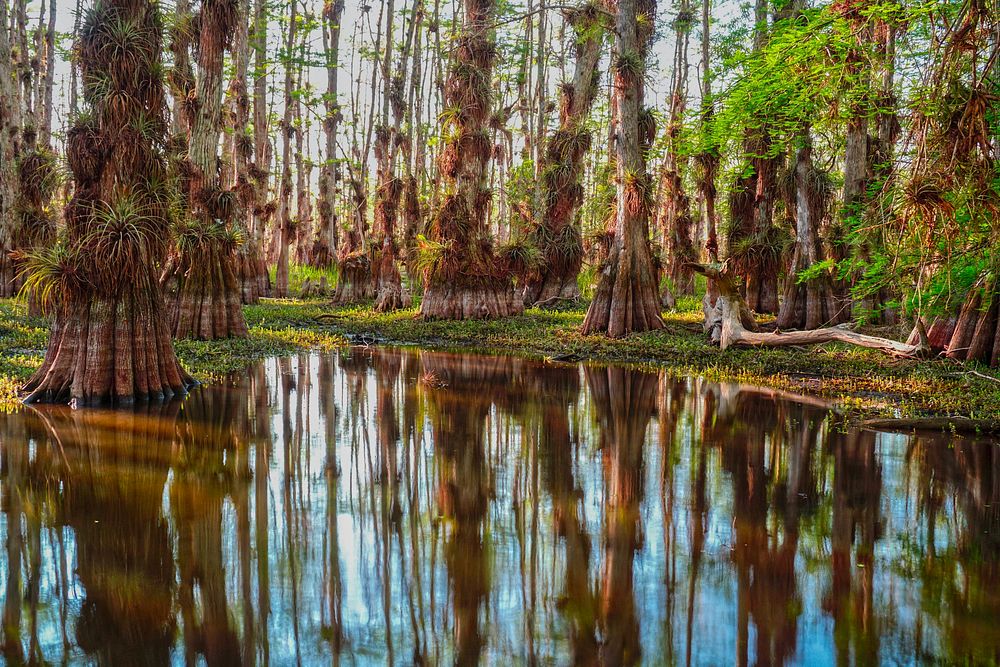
864	382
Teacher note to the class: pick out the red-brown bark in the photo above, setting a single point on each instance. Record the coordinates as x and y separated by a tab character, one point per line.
467	280
199	281
626	300
558	235
109	340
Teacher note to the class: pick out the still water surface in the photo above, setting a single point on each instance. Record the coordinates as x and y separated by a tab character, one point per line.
378	506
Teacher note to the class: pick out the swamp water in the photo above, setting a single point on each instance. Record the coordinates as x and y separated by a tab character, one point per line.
377	506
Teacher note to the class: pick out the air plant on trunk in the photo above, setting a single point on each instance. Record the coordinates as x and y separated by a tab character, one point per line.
110	340
811	300
675	221
558	235
199	280
355	283
34	222
389	292
626	300
468	281
951	204
755	245
325	245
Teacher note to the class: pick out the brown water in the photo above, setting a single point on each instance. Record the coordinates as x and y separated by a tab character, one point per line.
380	506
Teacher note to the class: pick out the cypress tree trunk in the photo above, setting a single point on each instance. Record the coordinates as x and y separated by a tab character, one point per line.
467	279
283	225
199	280
389	293
812	304
325	245
46	84
752	243
238	163
255	281
626	300
558	235
10	148
675	220
110	340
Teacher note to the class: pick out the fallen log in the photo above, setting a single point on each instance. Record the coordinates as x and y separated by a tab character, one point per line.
727	324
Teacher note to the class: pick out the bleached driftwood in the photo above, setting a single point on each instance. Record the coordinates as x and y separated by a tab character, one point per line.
727	323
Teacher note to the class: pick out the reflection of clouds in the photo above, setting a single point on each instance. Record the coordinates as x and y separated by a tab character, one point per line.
674	507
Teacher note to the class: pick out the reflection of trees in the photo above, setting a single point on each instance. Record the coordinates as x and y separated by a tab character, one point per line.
768	452
460	392
557	388
210	443
333	624
625	401
961	583
857	488
112	477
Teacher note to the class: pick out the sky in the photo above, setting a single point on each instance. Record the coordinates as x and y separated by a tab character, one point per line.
657	84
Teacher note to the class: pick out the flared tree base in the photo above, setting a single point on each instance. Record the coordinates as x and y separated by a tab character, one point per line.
354	286
253	277
488	300
977	331
626	301
762	293
391	295
203	295
552	289
109	351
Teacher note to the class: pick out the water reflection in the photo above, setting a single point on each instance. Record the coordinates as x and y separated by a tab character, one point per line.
394	507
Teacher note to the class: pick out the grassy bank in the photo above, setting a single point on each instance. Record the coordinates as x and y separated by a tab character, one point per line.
23	340
864	379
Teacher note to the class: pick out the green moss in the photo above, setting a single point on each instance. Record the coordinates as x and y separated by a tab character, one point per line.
861	379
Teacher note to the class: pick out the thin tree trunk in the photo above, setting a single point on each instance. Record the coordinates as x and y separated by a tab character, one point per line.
675	220
327	240
558	235
626	300
284	222
199	280
10	148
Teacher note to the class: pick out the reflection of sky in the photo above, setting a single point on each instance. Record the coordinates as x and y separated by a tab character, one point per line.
526	567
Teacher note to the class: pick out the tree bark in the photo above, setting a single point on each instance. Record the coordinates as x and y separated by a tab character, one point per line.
325	246
283	225
110	341
626	300
814	303
467	280
558	234
199	281
675	220
10	149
